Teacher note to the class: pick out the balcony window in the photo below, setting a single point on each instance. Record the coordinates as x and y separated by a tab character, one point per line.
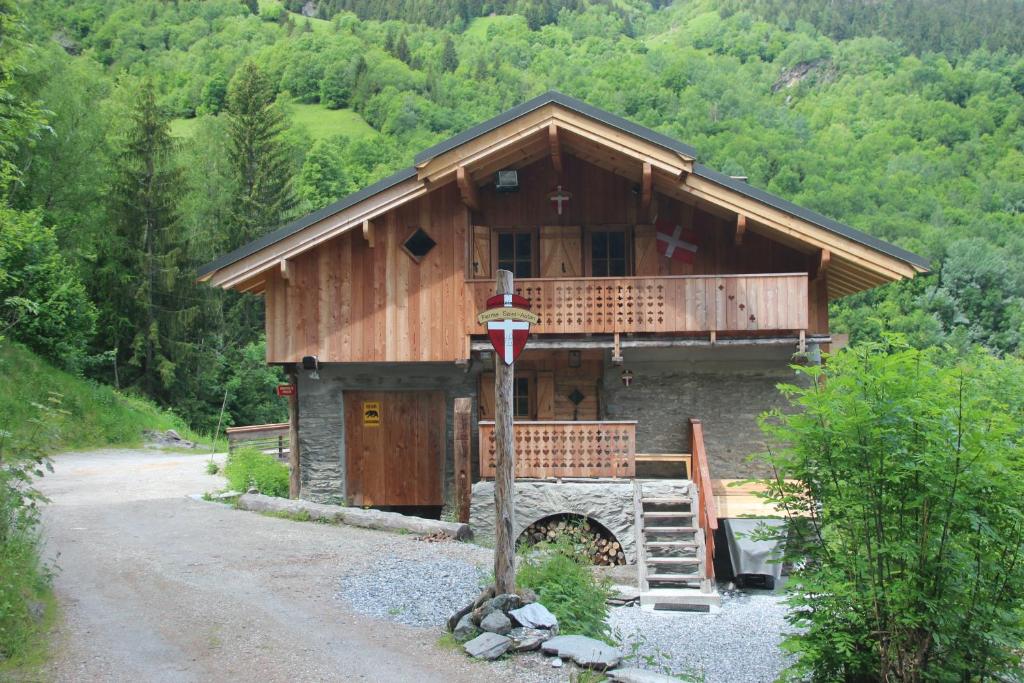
609	253
516	252
521	399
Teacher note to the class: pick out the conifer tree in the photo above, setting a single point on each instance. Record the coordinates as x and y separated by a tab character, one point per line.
147	309
258	157
449	58
402	49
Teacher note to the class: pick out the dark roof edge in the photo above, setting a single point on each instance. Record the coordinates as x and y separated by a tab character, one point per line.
555	97
306	221
825	222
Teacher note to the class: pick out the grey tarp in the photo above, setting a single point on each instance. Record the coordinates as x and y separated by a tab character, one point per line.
751	556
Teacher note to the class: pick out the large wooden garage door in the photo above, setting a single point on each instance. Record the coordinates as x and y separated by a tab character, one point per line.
394	447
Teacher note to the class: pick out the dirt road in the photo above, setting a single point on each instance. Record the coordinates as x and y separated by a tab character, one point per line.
155	586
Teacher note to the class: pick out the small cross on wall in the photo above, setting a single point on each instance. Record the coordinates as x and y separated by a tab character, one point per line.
559	197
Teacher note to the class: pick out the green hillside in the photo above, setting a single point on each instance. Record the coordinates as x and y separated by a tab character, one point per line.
86	414
317	121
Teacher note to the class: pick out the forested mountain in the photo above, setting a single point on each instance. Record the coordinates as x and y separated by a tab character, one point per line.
141	138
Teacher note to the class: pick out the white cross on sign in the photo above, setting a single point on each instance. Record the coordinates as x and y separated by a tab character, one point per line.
558	197
507	327
675	240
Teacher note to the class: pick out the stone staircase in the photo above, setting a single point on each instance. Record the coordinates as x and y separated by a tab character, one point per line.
670	548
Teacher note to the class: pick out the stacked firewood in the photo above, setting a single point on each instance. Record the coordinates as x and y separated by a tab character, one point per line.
589	541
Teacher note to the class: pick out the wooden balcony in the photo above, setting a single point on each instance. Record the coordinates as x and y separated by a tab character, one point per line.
682	303
550	449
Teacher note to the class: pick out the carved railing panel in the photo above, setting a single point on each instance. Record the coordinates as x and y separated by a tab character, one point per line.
687	303
550	449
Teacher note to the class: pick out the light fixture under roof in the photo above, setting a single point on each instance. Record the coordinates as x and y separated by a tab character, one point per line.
507	180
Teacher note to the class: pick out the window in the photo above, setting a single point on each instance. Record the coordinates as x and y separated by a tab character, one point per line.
418	244
515	253
521	399
609	253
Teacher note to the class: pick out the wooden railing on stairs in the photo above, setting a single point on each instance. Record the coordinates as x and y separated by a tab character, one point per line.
707	513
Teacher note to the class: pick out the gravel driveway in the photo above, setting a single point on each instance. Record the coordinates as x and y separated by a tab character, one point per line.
155	586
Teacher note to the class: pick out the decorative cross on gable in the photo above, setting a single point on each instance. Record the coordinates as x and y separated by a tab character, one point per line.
559	197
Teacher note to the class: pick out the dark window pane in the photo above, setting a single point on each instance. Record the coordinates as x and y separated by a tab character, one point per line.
600	268
600	244
505	245
617	244
523	245
523	269
617	267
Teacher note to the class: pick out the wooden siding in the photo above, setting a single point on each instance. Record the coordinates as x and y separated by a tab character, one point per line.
565	449
738	303
554	383
349	302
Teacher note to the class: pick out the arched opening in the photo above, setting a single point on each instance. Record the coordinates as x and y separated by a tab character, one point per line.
590	538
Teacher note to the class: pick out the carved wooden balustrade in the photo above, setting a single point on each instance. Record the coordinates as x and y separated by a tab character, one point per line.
548	449
680	303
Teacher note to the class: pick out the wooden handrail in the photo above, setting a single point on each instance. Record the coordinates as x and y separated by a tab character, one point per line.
519	281
707	514
549	449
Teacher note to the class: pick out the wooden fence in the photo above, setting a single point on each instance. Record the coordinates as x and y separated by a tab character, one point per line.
270	438
681	303
549	449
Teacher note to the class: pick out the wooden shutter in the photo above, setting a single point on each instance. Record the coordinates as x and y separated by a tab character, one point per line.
481	262
561	251
646	247
485	401
545	395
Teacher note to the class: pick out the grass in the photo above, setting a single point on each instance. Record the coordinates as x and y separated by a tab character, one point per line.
448	642
300	516
321	122
315	120
28	663
96	415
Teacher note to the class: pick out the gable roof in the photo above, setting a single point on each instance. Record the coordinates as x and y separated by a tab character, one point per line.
650	137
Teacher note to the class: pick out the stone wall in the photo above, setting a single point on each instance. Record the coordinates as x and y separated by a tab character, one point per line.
322	421
726	388
606	501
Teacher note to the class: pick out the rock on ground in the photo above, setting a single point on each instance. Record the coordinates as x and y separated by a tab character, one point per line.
585	651
496	622
634	675
534	615
488	646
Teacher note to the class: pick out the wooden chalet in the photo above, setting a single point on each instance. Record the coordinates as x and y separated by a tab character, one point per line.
372	302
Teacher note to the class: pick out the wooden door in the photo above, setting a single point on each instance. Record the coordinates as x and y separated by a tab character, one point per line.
394	447
561	251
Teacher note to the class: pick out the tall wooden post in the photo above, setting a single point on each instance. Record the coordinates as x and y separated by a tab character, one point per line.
293	436
463	448
504	465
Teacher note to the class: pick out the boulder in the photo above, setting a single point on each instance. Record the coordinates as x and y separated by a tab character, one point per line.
485	595
488	646
528	639
465	629
507	602
634	675
482	612
534	615
586	652
526	595
496	622
454	619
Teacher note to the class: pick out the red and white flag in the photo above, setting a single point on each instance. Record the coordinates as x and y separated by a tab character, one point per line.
675	242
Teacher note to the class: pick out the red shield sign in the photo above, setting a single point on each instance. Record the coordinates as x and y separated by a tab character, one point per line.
508	320
676	243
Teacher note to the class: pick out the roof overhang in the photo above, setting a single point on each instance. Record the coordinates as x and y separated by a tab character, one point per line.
545	126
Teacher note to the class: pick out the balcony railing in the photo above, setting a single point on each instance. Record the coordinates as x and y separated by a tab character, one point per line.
550	449
681	303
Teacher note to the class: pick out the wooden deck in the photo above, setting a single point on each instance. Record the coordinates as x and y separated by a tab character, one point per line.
681	303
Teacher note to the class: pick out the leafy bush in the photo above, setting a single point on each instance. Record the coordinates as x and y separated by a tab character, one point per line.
212	468
566	586
249	467
903	471
24	580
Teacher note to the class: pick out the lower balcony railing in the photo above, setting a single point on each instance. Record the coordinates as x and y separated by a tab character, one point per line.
679	303
550	449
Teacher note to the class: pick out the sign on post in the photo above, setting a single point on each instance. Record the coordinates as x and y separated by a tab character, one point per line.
508	319
285	389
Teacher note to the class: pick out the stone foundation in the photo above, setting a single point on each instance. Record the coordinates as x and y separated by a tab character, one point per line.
608	502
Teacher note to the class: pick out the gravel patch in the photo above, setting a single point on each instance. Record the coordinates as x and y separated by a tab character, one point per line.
415	592
739	644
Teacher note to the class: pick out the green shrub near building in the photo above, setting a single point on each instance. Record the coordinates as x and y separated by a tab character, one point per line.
249	468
